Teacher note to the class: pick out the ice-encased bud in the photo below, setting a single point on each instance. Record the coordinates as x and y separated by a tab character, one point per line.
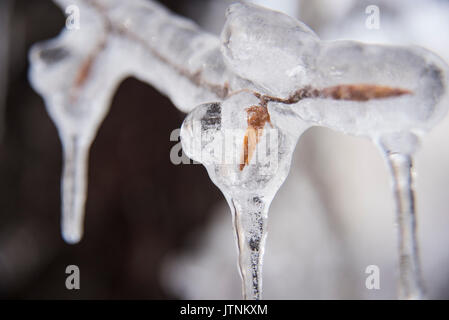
222	136
270	48
282	55
214	134
420	75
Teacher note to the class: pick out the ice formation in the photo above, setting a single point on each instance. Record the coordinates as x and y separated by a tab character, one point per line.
74	76
389	94
216	134
257	90
78	72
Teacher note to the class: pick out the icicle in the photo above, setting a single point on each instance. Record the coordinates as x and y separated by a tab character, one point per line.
74	187
77	89
249	215
360	89
398	150
247	149
78	72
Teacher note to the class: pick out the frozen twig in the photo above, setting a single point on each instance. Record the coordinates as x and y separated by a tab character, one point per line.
268	69
78	72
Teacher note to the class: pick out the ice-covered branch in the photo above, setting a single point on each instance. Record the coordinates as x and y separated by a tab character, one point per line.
384	93
267	81
78	72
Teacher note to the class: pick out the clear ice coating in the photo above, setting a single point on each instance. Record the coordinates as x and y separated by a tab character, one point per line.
398	151
215	135
394	124
419	73
257	90
72	74
281	55
78	72
389	94
269	48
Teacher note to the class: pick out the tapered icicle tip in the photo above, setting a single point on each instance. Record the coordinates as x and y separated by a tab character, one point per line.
398	149
72	231
74	188
250	215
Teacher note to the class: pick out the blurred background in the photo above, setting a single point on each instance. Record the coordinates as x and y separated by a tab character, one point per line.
155	230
